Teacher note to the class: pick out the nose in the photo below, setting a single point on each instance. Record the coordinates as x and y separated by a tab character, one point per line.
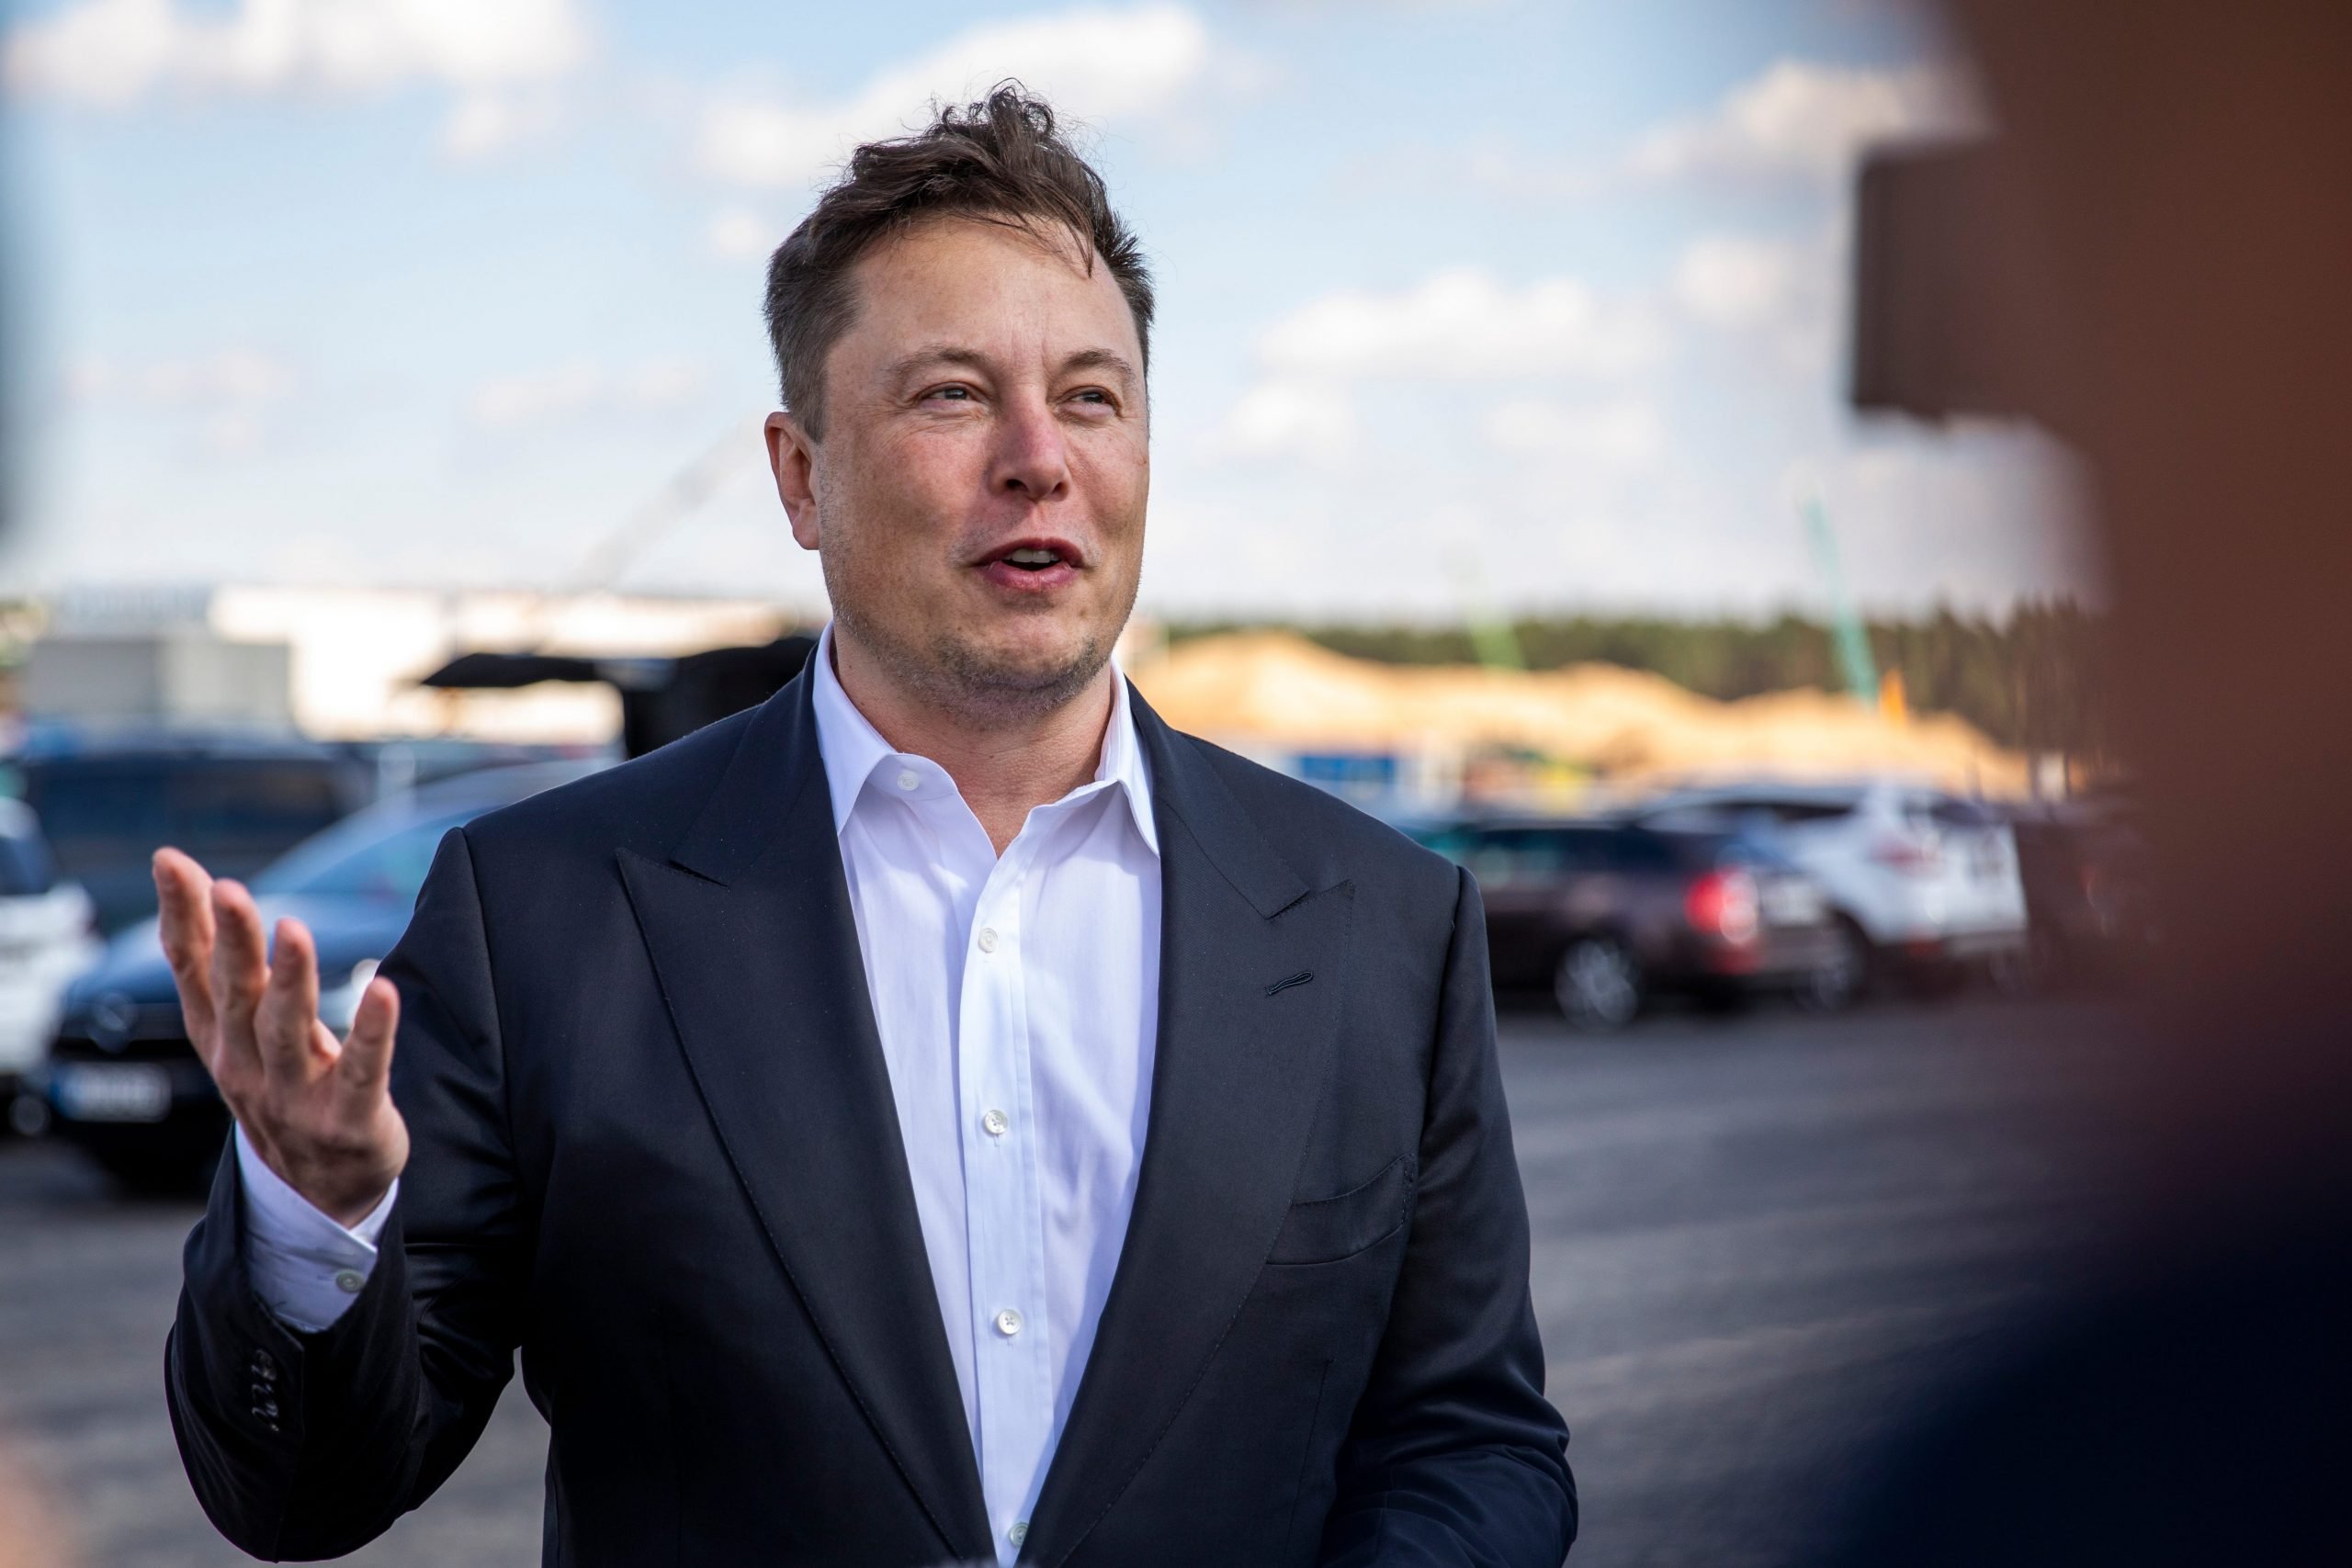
1031	459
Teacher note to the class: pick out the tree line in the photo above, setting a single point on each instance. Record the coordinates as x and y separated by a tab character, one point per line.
2034	678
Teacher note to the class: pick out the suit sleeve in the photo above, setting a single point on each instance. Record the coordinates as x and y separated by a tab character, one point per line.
304	1446
1454	1458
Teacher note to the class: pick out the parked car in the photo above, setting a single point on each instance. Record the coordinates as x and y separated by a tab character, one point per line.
1608	914
2089	893
48	934
121	1079
236	803
1924	882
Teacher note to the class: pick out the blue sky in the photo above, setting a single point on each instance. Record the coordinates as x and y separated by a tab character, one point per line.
1531	306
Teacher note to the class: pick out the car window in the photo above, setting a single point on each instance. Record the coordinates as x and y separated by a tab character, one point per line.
93	812
1947	812
25	868
364	860
1742	854
1788	813
1633	851
1506	857
261	805
105	809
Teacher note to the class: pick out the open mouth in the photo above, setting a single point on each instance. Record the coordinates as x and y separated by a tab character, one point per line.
1033	565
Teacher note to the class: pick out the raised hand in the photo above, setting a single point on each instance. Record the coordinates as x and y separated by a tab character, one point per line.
318	1111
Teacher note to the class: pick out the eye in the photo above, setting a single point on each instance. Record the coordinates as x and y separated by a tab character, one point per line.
952	393
1094	397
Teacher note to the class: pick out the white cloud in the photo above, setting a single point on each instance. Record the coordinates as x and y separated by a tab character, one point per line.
1093	63
114	54
1804	118
1463	323
1976	513
1626	434
1784	298
238	376
740	234
487	121
580	387
1314	420
1733	281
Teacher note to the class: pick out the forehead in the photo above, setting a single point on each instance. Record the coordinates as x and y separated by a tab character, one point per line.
991	286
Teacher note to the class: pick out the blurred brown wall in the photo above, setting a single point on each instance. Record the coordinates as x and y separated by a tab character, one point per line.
2182	176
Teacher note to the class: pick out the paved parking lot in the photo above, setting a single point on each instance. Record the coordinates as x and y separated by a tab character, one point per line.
1756	1240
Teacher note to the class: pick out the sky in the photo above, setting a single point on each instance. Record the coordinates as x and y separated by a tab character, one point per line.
1464	308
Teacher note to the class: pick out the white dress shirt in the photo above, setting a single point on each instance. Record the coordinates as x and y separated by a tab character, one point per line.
1016	998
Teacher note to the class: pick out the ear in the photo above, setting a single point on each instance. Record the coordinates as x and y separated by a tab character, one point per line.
792	457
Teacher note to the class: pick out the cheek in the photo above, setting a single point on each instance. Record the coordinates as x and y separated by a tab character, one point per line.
1116	478
896	495
925	463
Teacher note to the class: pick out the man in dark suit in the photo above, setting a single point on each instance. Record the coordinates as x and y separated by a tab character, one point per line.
941	1113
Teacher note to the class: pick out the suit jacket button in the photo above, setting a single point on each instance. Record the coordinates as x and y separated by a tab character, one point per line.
265	1410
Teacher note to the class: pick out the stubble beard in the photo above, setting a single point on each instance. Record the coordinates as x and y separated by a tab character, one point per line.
960	675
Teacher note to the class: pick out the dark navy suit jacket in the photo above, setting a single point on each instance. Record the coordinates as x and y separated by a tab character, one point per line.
655	1150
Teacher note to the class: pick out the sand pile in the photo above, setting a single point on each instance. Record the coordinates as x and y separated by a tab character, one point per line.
1275	689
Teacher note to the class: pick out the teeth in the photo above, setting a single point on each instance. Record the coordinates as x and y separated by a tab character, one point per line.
1032	557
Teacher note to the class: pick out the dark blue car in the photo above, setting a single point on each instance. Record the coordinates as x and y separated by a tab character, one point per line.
121	1079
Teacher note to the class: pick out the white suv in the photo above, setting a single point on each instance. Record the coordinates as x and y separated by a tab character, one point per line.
1921	877
47	937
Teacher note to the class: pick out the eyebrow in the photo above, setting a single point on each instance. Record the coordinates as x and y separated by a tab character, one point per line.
955	354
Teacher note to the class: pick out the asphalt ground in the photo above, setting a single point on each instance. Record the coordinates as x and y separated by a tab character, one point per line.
1762	1244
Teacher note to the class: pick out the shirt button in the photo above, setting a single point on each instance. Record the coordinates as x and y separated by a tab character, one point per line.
908	779
1019	1532
988	938
350	1282
994	1124
1008	1323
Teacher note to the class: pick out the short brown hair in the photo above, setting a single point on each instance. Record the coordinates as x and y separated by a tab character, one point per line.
1000	160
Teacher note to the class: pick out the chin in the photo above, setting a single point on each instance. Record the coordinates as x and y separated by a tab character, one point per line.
1031	662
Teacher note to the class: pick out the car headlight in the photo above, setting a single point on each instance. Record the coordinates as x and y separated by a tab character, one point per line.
337	1004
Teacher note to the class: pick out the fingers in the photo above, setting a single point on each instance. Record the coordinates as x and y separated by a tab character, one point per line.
286	1025
366	1064
240	969
184	900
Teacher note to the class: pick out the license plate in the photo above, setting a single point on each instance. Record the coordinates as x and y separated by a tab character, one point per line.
112	1091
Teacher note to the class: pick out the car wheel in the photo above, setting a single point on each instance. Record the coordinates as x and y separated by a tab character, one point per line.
27	1115
1598	985
1839	978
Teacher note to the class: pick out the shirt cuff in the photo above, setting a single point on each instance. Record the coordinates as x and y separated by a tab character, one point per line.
306	1268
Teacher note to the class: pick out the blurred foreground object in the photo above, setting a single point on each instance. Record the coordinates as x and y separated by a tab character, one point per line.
30	1534
2153	265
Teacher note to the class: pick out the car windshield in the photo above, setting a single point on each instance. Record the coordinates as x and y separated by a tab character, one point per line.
96	807
365	858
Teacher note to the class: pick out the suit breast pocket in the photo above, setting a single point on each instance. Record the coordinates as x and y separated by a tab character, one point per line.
1325	1230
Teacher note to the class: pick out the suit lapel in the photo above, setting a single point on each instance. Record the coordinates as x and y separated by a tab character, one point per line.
751	935
1244	1049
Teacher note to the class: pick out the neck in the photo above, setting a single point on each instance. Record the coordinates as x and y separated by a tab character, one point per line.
1003	764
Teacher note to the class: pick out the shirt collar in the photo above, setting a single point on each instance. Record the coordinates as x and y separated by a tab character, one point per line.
853	749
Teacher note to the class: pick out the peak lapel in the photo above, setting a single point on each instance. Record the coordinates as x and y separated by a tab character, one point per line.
1238	1075
751	935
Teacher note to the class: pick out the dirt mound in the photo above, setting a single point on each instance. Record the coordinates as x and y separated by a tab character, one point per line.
1274	689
